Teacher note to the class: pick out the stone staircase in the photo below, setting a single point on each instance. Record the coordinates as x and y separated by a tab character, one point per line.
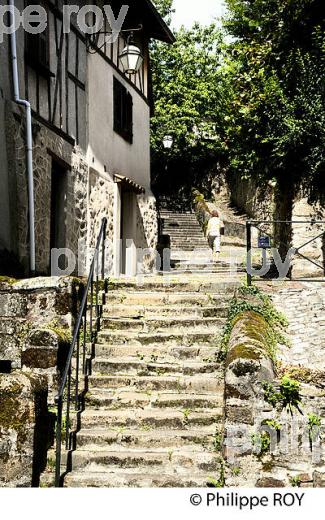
154	409
184	231
190	252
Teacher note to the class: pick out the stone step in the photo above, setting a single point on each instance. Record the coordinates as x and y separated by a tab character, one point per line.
180	221
126	399
150	418
179	215
186	246
152	311
174	285
161	353
166	299
201	268
193	235
146	458
183	236
189	232
187	237
190	384
201	438
189	338
136	480
137	367
199	263
154	324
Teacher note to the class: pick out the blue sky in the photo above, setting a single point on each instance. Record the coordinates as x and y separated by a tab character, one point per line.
203	11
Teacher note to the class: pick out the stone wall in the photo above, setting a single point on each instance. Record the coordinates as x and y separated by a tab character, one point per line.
46	145
147	229
33	304
267	443
250	198
24	425
36	320
101	204
88	195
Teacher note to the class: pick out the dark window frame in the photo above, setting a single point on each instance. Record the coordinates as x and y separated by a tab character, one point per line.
123	111
37	47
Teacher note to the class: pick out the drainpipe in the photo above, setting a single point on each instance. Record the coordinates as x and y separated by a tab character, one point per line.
29	139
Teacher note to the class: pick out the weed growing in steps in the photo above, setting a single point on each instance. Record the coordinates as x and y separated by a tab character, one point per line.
295	481
218	482
288	395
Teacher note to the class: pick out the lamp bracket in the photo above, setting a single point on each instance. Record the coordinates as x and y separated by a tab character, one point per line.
95	36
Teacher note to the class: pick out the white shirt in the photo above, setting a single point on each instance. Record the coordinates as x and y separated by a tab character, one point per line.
213	228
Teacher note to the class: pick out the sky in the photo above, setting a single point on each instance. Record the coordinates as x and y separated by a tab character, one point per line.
203	11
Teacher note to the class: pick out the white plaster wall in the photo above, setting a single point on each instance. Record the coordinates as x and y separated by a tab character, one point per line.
106	147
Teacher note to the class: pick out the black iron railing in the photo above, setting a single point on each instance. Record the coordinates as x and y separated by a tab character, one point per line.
260	225
73	385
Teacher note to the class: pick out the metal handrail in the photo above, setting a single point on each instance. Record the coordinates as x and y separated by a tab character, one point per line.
255	224
82	327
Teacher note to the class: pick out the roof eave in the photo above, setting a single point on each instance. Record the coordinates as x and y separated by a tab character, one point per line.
164	33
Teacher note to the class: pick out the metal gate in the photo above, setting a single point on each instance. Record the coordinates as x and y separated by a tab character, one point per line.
260	237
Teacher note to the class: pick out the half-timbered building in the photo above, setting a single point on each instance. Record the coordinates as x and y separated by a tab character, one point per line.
90	130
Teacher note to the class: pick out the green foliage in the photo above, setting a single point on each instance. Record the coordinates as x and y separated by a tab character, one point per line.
295	481
275	116
261	441
63	333
288	395
188	100
64	424
221	481
262	306
165	8
271	396
272	423
217	442
314	424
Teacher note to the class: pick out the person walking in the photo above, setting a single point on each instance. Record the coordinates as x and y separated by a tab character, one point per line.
213	234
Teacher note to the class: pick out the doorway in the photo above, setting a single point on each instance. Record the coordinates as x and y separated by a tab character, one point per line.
128	233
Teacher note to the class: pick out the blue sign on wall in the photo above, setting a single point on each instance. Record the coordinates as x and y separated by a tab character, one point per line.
264	242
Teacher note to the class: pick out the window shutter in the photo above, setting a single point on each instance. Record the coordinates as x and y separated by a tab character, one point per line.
129	116
123	111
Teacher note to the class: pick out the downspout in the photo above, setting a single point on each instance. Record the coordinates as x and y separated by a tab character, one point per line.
29	139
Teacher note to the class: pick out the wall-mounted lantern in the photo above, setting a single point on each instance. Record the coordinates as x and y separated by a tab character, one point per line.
131	57
168	142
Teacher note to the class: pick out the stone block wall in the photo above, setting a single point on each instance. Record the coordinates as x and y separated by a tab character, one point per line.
265	443
89	196
23	407
101	204
46	145
147	229
249	197
36	321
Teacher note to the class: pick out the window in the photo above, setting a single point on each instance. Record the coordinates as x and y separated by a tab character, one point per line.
123	111
37	50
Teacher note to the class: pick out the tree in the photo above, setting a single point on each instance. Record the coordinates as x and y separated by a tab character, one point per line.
165	8
275	121
188	101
